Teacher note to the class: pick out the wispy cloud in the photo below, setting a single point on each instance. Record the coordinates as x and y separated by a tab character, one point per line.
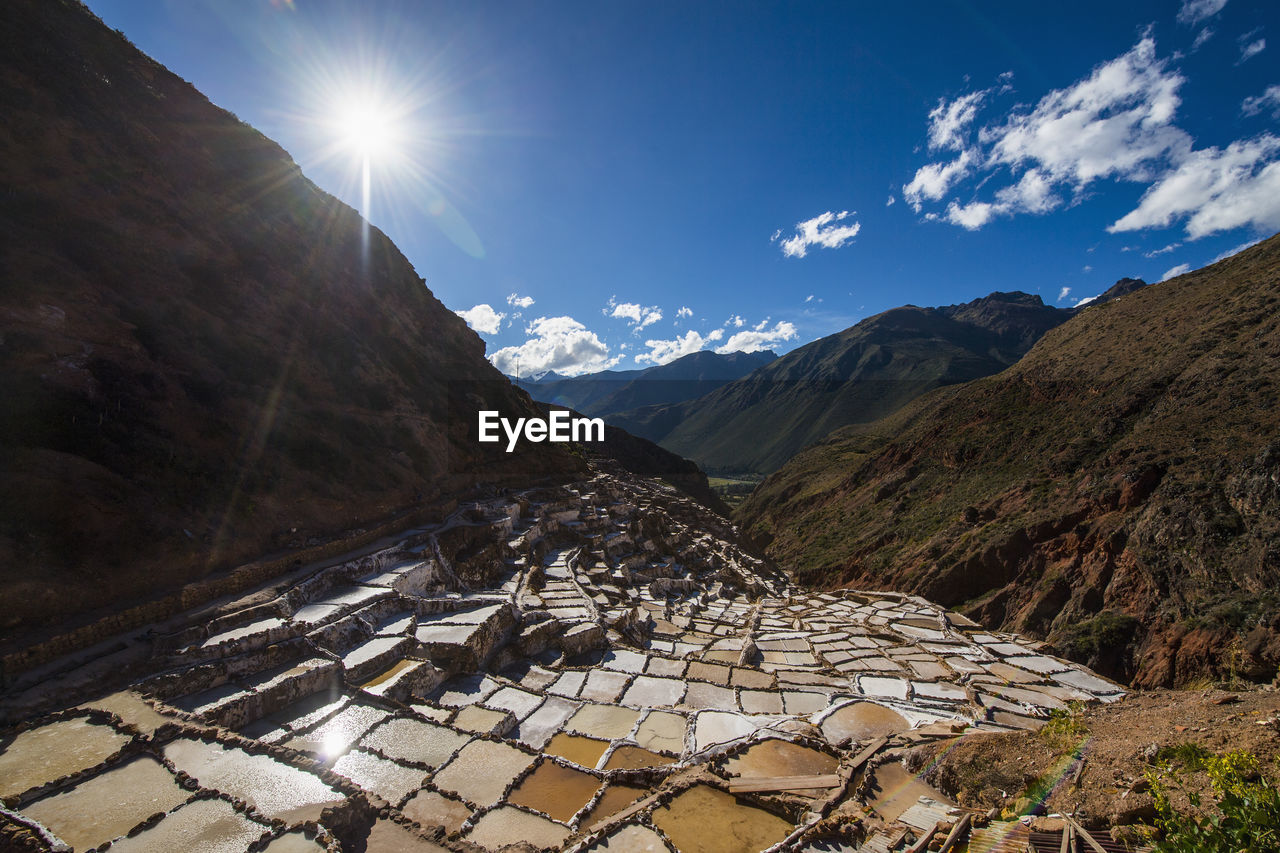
1064	293
683	312
821	230
1195	11
483	318
1268	100
637	315
517	301
664	351
1162	251
760	337
1117	123
1202	37
736	321
1250	47
1173	272
892	201
1237	250
561	344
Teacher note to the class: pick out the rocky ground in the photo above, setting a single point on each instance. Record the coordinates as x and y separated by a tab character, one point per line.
1117	744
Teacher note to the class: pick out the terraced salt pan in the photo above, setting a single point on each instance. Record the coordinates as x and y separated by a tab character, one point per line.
415	741
262	626
335	735
482	771
631	838
275	789
604	721
497	828
293	842
109	804
705	820
559	792
389	780
131	709
633	757
586	751
55	750
428	808
208	826
614	799
775	757
662	732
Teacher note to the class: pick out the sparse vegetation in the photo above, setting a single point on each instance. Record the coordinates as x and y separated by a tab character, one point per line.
1245	814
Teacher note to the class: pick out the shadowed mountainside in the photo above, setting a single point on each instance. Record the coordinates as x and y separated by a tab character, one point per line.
1117	490
859	375
611	391
200	359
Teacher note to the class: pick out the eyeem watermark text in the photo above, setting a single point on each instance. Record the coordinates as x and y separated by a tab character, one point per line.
558	427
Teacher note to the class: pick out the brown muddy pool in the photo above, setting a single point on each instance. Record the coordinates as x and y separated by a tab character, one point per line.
556	791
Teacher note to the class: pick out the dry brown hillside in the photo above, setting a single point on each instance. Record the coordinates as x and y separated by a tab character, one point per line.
1117	490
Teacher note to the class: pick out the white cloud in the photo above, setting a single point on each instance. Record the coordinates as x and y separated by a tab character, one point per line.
1157	252
1117	122
1087	268
663	351
891	202
483	319
517	301
970	216
638	315
561	344
1195	11
933	181
683	312
759	338
1202	37
1237	250
1216	190
949	122
1268	100
1064	293
1173	272
736	321
1250	50
819	231
809	298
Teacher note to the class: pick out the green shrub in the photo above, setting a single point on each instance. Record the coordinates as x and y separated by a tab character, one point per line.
1245	817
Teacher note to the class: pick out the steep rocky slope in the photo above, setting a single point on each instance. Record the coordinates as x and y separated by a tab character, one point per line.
863	373
1117	490
199	360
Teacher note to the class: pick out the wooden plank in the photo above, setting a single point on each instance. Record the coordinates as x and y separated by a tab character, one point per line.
1080	831
957	832
782	783
1065	846
922	842
865	756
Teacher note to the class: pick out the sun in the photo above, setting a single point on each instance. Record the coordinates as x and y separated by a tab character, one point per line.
366	129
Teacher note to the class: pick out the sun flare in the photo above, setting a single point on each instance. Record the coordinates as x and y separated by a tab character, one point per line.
366	130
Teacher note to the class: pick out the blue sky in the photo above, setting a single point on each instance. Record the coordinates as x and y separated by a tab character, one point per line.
616	184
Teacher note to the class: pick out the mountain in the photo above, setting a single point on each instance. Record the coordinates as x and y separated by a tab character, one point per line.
611	391
856	376
1116	491
203	357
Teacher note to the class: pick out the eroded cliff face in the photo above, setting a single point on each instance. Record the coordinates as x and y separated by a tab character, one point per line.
203	357
1114	491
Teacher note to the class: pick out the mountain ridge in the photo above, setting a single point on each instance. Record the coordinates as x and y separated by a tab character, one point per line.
856	375
1114	490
